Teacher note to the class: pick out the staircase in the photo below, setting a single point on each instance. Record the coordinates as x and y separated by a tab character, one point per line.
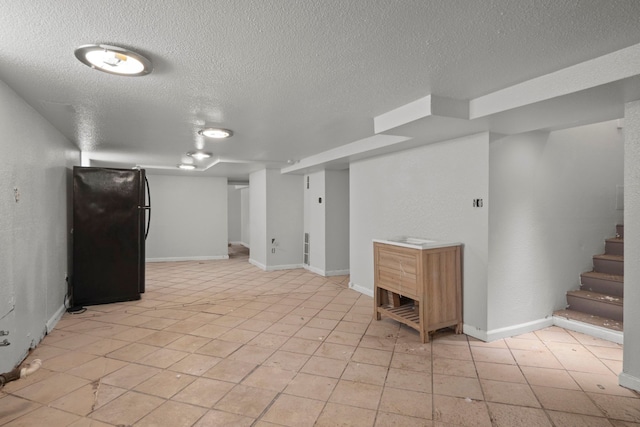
598	302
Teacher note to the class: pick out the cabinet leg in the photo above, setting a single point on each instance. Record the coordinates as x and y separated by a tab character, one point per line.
376	303
459	328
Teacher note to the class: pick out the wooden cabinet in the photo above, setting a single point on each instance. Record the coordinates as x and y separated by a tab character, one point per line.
420	287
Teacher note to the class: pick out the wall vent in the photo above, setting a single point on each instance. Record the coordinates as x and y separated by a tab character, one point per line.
305	254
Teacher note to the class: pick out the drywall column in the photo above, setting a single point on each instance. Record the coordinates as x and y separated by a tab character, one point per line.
245	207
336	222
277	209
258	218
314	220
630	376
234	214
326	219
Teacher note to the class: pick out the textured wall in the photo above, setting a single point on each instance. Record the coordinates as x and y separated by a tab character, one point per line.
425	192
327	222
34	231
337	220
314	220
258	217
234	216
285	210
188	218
246	221
553	202
630	376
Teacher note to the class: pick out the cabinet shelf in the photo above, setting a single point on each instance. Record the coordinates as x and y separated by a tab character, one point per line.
406	313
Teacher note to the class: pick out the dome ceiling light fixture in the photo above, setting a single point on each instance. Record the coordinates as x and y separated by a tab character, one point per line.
113	60
186	166
199	155
216	133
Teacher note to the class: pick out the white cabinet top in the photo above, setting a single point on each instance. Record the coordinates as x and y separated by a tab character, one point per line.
416	242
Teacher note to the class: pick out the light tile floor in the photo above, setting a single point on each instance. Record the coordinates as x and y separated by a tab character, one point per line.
222	343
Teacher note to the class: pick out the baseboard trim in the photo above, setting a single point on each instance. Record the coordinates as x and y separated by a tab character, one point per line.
274	267
522	328
509	331
629	381
474	332
332	273
192	258
257	264
314	269
361	289
53	320
588	329
284	267
240	243
325	273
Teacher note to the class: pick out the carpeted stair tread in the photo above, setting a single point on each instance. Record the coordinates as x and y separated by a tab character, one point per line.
604	276
609	299
608	257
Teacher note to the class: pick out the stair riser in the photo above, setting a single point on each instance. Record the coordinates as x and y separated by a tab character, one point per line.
614	248
598	308
608	266
607	287
620	230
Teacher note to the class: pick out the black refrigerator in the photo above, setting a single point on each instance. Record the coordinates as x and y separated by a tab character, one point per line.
110	223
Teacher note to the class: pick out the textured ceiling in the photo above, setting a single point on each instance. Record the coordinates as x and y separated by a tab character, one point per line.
291	78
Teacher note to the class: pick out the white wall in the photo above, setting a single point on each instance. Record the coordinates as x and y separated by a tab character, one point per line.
425	192
326	219
276	213
630	376
284	220
188	218
314	220
337	222
36	160
553	202
245	206
234	214
258	218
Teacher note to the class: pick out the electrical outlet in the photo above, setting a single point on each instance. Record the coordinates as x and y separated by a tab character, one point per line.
477	203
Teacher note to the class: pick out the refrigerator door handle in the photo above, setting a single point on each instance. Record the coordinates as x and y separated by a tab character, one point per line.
147	207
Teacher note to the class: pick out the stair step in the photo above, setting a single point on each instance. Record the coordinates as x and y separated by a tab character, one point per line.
612	264
602	283
590	319
602	305
614	246
620	230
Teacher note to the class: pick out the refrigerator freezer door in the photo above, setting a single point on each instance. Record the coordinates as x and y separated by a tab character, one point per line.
108	248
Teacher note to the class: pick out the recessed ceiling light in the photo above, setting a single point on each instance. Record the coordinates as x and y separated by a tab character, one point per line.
186	166
217	133
199	155
113	60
